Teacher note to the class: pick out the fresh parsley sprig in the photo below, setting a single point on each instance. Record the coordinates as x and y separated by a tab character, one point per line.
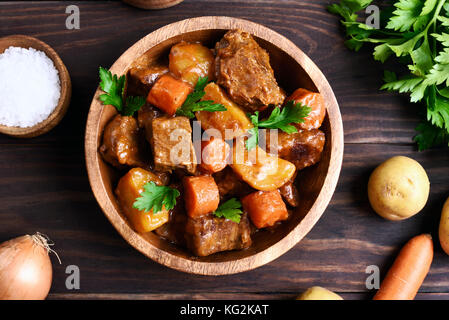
231	210
154	197
417	33
193	102
114	87
281	119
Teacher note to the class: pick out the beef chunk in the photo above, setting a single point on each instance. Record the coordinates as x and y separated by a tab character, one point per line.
145	117
122	143
229	184
171	142
302	148
209	234
243	68
174	229
290	194
141	78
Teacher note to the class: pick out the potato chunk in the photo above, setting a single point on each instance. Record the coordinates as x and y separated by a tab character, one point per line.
259	169
230	123
128	189
189	61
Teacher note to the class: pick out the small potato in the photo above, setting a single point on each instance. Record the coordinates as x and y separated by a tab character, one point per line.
319	293
444	227
398	188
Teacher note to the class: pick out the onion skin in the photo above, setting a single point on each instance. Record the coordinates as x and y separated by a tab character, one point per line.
25	269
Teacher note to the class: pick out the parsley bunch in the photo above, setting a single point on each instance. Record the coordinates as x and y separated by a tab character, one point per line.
114	96
279	119
417	33
193	102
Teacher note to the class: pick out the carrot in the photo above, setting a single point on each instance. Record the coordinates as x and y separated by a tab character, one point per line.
408	270
265	208
200	195
168	94
214	155
313	100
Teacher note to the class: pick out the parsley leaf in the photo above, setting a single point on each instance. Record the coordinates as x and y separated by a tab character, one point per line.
430	135
408	15
279	119
133	104
154	197
114	88
193	103
231	210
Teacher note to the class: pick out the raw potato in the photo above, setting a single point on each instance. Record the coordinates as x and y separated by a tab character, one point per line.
444	227
398	188
319	293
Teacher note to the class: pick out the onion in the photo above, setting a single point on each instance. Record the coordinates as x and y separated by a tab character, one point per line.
25	268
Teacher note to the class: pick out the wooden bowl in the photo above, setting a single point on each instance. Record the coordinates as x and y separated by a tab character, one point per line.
152	4
66	87
293	69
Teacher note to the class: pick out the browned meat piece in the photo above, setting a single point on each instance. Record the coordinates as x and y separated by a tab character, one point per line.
290	194
243	68
174	229
141	78
229	184
171	142
208	235
145	117
122	143
302	148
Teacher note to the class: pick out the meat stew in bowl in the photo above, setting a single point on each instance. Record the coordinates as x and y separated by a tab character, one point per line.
210	190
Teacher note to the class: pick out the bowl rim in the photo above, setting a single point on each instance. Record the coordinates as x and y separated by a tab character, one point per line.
65	93
299	231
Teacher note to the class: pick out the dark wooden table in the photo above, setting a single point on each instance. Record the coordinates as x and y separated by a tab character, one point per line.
44	185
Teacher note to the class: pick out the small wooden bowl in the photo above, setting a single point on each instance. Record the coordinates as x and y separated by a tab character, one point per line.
293	69
152	4
66	87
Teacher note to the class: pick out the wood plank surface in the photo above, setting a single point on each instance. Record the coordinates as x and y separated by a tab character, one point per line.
44	185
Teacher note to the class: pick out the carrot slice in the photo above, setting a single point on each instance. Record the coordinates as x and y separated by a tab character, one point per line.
168	94
408	270
265	208
214	154
313	100
200	195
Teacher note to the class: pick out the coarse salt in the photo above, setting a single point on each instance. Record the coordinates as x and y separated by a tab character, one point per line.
29	87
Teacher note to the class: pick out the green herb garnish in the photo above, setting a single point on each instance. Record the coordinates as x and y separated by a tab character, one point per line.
114	96
279	119
154	197
231	210
417	33
193	102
